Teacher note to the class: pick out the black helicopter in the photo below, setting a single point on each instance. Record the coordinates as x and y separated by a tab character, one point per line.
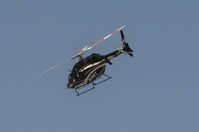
92	67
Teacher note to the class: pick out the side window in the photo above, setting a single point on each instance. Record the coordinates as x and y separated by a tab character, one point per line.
69	77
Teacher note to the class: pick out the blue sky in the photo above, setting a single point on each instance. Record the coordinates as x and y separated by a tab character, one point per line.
156	90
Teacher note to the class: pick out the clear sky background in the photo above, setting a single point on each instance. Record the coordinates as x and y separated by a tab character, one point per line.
155	91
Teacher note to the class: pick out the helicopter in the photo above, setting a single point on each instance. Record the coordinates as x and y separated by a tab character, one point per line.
89	69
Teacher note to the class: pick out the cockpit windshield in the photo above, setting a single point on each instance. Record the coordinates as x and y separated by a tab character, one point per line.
69	77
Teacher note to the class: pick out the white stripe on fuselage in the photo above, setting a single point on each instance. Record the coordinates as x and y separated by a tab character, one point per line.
110	58
91	65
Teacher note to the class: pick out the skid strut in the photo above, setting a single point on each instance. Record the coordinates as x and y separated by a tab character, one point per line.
93	85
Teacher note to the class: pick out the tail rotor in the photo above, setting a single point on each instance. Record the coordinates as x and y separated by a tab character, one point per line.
125	46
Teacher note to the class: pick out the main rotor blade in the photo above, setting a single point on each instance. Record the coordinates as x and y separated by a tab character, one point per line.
102	39
80	53
55	66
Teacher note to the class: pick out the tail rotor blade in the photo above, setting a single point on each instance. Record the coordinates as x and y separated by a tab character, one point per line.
122	34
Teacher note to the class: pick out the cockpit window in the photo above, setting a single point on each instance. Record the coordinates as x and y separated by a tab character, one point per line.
78	65
69	77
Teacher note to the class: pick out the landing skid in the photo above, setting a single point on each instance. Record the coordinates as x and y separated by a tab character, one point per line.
93	85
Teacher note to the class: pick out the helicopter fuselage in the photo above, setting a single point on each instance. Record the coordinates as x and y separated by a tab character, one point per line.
89	69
